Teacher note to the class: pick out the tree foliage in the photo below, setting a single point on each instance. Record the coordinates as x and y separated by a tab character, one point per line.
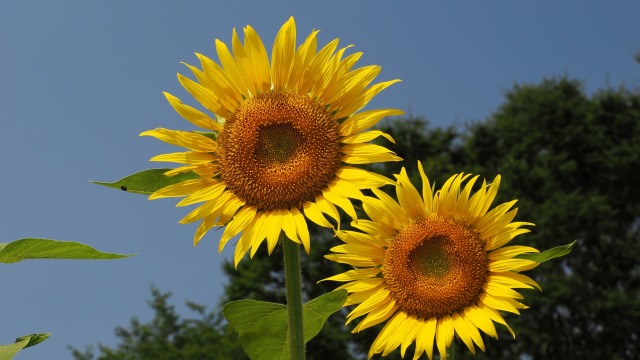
571	159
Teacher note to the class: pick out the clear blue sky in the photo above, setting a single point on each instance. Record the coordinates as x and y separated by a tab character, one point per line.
79	80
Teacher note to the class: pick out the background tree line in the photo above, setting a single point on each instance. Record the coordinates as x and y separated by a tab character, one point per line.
572	160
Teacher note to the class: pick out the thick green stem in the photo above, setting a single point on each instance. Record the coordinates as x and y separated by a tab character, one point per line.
294	297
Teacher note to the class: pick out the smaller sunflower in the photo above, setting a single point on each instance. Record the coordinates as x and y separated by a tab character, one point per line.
434	266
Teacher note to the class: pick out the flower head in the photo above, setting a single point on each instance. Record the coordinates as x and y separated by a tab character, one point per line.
433	266
285	131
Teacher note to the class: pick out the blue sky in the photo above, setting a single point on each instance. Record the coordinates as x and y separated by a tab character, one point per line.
79	80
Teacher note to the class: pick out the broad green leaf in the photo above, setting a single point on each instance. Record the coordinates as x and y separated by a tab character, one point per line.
50	249
148	181
262	326
7	352
553	253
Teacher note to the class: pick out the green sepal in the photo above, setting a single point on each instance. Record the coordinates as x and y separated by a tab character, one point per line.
210	134
148	181
552	253
262	326
7	352
50	249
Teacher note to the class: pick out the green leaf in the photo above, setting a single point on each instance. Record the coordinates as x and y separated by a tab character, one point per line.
34	339
50	249
262	326
316	312
553	253
7	352
148	181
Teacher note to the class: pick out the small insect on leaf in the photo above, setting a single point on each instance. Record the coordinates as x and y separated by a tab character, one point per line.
123	188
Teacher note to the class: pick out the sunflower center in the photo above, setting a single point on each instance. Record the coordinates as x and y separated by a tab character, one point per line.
278	150
277	143
430	258
435	266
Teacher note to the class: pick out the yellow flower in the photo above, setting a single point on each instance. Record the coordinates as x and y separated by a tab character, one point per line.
433	266
284	131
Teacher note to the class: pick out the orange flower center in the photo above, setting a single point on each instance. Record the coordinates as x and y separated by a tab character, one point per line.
435	266
278	150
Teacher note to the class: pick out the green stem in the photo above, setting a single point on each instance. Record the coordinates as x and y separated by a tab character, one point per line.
451	351
294	297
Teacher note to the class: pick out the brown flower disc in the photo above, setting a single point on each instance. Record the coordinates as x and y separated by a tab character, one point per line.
435	266
278	150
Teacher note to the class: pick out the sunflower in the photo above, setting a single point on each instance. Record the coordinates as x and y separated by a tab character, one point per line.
279	148
433	266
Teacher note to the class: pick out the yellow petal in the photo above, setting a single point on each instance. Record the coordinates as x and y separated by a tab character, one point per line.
481	320
205	225
302	229
511	265
427	337
189	140
181	189
188	157
363	99
444	335
366	154
408	197
210	207
231	68
427	191
502	291
192	115
302	59
495	316
342	202
345	189
259	60
230	208
357	274
377	316
362	179
462	329
289	226
498	303
378	299
313	213
364	120
258	231
362	285
283	53
244	243
210	192
203	95
387	334
513	280
328	208
413	326
237	224
274	228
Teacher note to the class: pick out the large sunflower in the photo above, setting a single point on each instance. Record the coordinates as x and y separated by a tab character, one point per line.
284	133
433	266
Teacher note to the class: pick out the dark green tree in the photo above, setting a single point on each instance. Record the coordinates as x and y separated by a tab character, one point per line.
572	161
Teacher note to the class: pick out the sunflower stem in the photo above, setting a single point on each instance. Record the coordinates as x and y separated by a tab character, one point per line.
294	297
